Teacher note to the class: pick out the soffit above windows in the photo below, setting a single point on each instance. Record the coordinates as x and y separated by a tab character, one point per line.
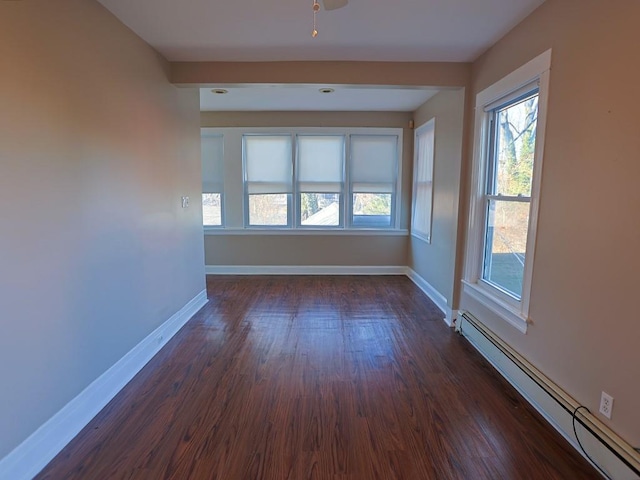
278	97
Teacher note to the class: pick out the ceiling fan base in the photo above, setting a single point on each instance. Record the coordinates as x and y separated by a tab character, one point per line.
334	4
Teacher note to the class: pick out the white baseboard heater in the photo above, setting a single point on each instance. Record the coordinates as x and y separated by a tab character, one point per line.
612	455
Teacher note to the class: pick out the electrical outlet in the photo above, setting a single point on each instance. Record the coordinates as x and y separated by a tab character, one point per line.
606	404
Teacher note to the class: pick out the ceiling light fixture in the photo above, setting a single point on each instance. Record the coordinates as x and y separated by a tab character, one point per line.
219	91
316	8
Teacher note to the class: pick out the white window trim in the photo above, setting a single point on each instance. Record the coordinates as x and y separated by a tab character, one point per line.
513	311
424	236
378	232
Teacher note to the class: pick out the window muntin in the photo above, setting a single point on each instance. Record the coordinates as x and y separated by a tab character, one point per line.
423	180
320	180
510	157
372	180
212	154
268	179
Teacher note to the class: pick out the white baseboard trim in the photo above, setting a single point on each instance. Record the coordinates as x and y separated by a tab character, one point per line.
32	455
303	270
555	405
435	296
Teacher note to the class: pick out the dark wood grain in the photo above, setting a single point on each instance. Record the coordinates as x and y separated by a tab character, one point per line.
318	378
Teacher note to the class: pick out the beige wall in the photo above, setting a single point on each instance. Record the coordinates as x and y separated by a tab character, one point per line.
306	250
435	261
335	250
96	148
585	331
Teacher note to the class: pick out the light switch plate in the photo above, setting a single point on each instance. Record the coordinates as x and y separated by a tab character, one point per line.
185	202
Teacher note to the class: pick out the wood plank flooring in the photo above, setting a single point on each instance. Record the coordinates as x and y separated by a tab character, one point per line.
318	378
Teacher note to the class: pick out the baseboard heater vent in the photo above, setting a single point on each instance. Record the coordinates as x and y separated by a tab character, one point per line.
616	457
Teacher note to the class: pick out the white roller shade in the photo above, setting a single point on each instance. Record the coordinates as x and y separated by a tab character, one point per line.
320	163
268	167
373	163
423	179
212	151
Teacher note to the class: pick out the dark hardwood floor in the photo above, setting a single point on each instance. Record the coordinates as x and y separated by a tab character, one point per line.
318	378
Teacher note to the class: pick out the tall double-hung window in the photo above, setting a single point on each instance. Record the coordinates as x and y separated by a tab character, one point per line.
511	146
373	180
508	154
268	180
320	180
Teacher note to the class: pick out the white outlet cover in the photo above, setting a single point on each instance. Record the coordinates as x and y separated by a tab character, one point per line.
606	404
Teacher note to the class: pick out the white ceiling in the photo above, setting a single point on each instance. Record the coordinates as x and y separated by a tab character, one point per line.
280	30
269	30
309	98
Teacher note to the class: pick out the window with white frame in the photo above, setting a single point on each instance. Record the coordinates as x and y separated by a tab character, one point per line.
423	180
511	141
373	179
212	151
320	175
268	180
508	153
320	178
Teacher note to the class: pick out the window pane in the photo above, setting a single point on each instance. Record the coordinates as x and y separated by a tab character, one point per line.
268	210
372	209
506	243
320	209
211	209
515	147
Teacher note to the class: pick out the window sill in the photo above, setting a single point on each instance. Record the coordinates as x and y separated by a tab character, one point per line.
501	308
421	236
386	232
